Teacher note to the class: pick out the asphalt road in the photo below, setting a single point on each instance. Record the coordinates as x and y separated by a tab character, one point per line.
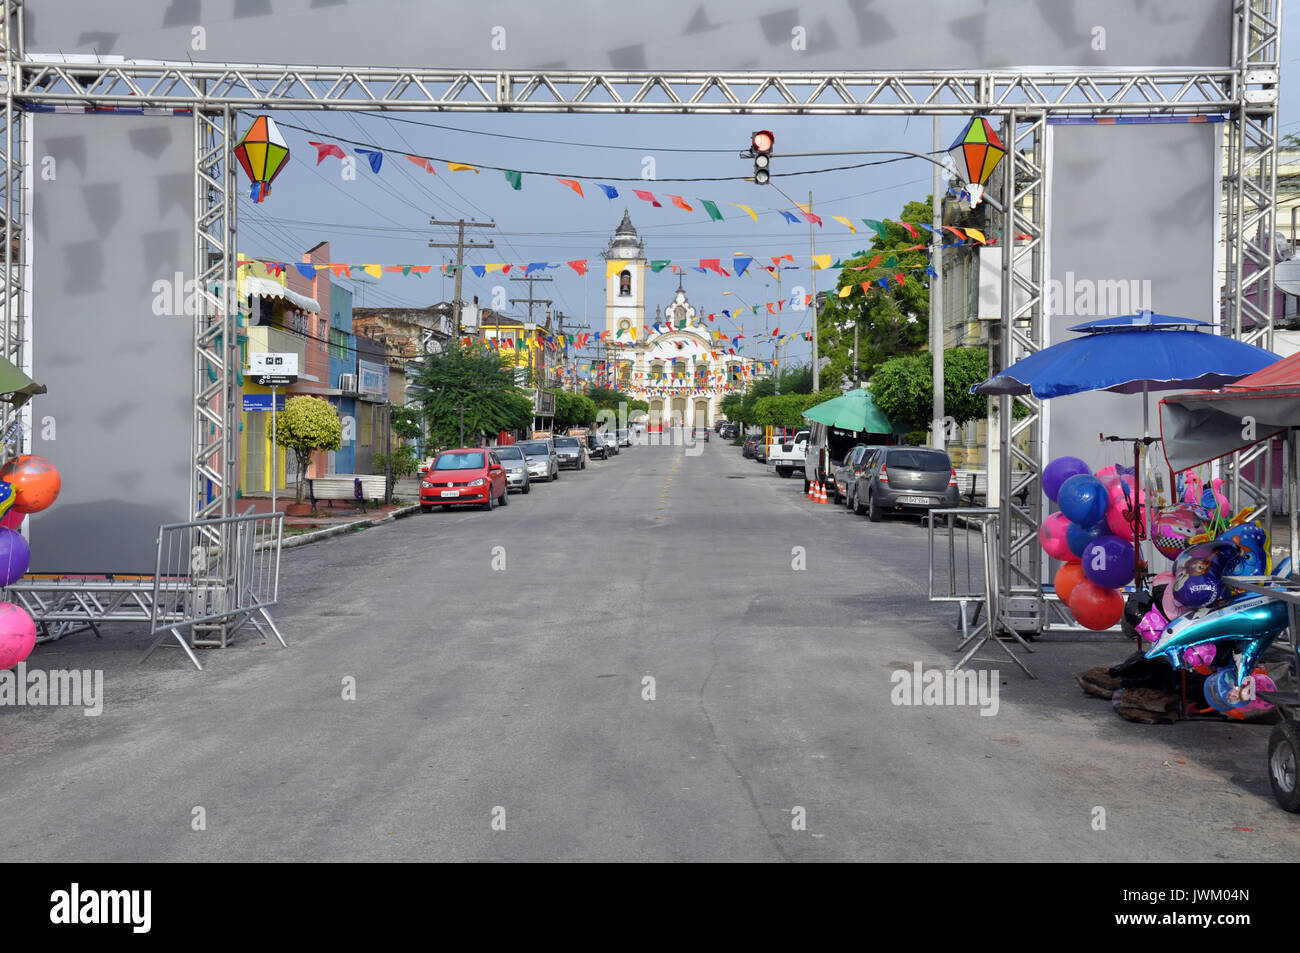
518	697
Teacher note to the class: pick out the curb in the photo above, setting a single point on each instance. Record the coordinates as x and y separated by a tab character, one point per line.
307	538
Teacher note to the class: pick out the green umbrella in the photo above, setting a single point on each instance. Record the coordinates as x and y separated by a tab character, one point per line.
852	411
15	386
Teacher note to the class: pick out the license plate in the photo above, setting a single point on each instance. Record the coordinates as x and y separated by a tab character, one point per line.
450	493
924	500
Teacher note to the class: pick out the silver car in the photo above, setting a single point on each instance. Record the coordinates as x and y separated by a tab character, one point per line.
516	466
543	464
571	453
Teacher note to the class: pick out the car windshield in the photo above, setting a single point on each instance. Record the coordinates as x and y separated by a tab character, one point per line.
566	443
509	453
459	461
931	461
535	449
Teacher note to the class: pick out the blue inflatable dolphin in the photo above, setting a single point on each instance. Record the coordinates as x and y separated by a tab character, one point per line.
1255	620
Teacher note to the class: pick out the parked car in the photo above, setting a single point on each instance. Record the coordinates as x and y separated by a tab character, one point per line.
747	448
906	478
624	438
610	442
700	433
787	453
846	475
596	447
467	475
571	453
543	464
516	465
729	431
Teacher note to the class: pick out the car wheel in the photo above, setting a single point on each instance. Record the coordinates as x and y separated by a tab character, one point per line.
426	507
835	493
873	509
505	496
848	501
1282	761
858	508
557	474
489	502
527	485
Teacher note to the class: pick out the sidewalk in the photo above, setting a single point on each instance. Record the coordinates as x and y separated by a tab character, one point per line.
342	515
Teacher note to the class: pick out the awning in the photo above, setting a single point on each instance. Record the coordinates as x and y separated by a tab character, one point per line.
1197	428
266	288
15	386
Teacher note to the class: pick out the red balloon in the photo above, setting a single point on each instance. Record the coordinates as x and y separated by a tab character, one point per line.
35	481
1096	607
1067	577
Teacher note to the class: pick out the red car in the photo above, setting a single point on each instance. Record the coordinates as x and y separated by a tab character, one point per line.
469	475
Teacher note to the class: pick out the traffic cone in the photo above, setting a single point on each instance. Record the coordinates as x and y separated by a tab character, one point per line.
821	493
812	491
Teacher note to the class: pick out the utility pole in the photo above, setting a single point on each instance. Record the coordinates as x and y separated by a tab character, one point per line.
530	300
812	244
776	345
937	437
460	246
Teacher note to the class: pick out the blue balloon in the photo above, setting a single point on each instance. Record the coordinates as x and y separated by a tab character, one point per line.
1060	470
1084	499
1108	561
1078	537
1198	572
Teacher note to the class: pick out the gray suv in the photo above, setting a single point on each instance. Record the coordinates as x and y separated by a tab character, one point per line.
911	479
543	464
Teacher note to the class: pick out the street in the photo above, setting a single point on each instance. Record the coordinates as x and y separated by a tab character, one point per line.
642	677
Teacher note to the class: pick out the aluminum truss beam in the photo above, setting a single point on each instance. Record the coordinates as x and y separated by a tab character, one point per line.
86	81
1025	97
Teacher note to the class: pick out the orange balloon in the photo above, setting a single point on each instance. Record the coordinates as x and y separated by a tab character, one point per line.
1067	577
1096	607
35	480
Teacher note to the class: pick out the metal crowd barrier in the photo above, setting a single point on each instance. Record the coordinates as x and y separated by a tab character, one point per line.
969	578
215	577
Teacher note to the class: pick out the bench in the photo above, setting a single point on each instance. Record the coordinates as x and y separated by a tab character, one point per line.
342	486
975	483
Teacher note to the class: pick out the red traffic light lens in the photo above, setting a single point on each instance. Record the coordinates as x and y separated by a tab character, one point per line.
763	141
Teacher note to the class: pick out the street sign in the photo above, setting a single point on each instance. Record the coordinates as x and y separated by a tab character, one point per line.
262	402
273	369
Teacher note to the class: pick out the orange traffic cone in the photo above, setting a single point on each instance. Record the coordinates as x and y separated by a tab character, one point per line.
821	493
812	491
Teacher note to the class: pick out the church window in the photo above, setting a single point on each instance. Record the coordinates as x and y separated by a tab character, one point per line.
625	283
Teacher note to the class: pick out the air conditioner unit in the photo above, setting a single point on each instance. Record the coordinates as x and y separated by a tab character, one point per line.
348	383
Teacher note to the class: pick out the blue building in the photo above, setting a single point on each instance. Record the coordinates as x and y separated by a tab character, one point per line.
343	367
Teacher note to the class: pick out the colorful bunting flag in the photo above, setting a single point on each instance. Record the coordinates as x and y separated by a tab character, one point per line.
573	184
846	223
324	149
789	216
610	191
423	163
647	197
821	261
580	266
680	203
878	226
375	157
711	208
461	167
515	179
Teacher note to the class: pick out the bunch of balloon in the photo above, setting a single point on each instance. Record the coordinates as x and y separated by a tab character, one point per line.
28	484
1099	560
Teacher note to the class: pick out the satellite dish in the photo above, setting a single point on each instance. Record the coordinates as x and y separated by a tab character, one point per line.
1286	275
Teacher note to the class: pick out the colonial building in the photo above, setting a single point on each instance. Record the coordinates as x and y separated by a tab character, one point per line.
672	360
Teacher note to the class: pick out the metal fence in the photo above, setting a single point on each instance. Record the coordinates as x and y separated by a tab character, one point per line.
958	567
215	577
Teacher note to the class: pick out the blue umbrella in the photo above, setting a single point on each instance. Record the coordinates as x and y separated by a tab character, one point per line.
1131	354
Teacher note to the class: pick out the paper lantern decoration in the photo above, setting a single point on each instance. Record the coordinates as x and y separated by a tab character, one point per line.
977	152
263	153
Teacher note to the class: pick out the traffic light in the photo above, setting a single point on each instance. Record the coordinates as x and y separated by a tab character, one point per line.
760	149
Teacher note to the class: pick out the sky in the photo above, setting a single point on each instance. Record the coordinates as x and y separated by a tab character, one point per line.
384	218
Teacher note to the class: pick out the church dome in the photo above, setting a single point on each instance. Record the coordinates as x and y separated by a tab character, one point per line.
626	242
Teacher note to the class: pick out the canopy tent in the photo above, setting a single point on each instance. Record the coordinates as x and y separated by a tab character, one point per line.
16	387
855	410
266	288
1196	428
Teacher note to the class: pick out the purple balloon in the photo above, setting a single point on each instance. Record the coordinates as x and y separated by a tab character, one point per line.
1078	537
1108	561
15	556
1060	470
1084	499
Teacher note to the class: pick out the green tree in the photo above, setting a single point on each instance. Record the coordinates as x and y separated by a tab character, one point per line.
473	378
903	387
890	321
785	410
306	425
407	423
731	406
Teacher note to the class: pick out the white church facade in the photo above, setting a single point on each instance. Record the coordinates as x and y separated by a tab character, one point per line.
682	370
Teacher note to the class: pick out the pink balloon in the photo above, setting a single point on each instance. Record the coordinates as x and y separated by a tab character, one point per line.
17	635
13	520
1152	625
1200	655
1052	535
